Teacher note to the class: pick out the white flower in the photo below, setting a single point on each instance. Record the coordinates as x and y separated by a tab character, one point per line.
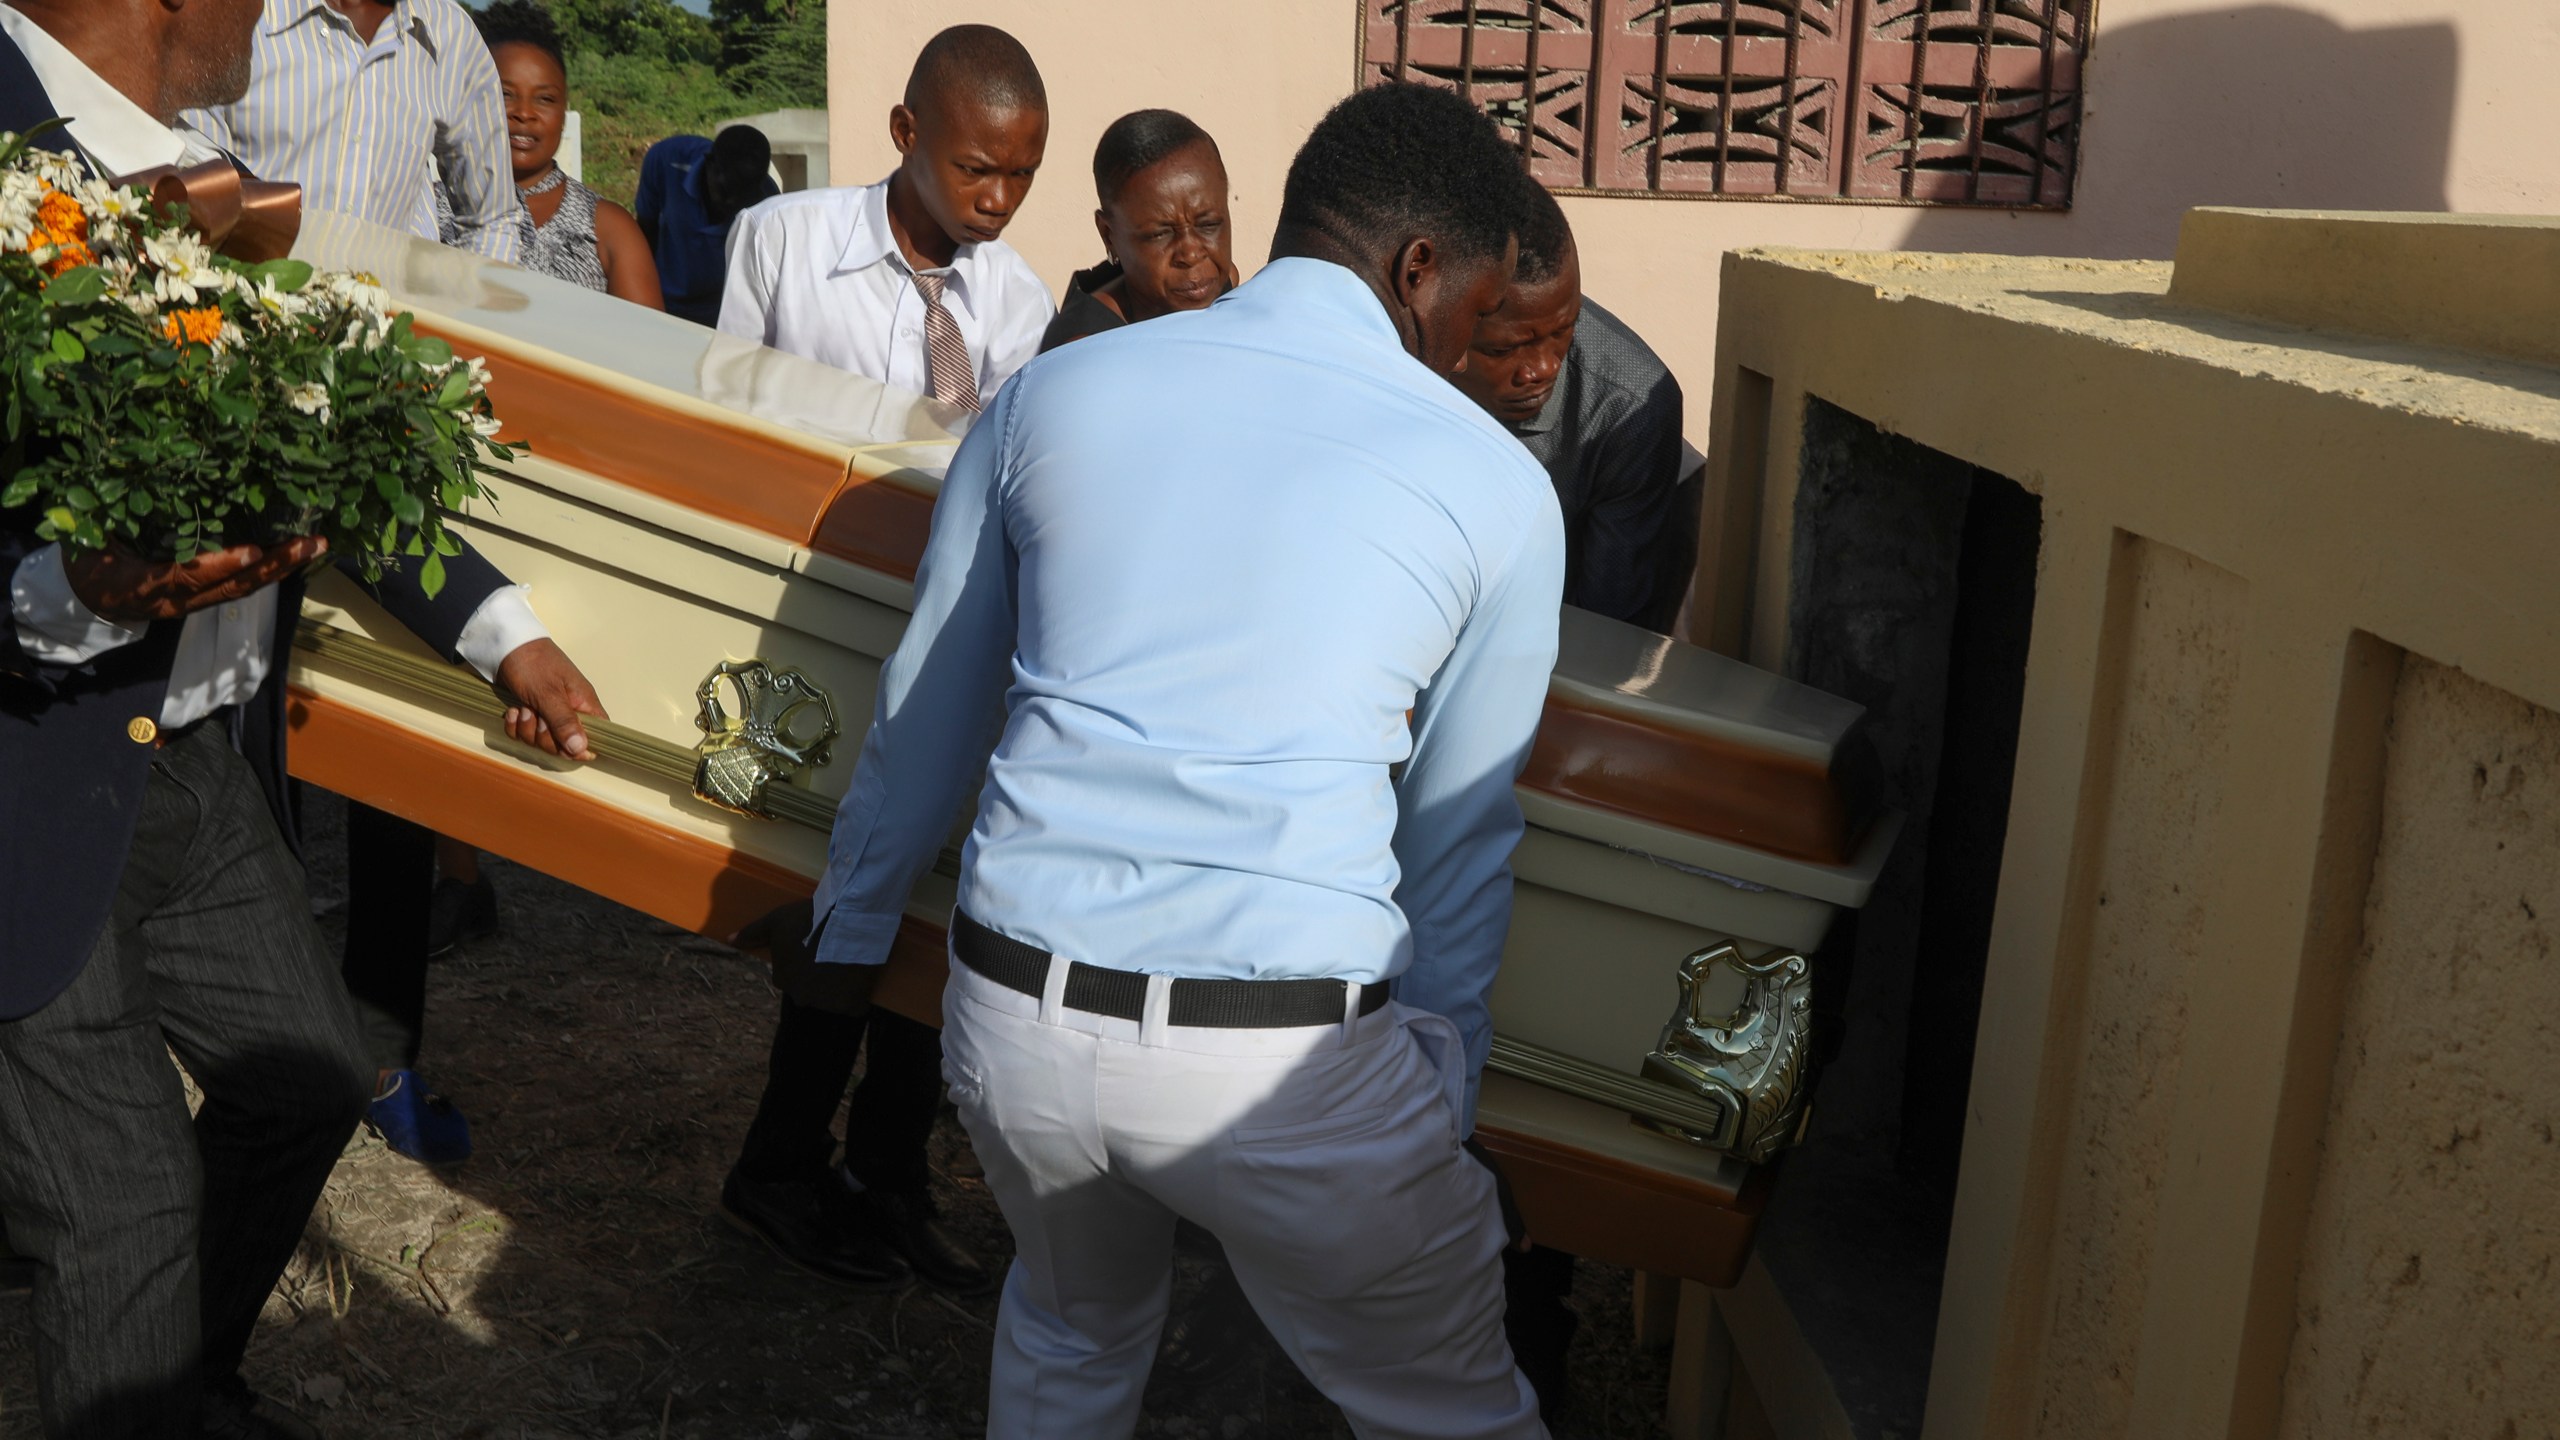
186	268
58	168
358	293
20	194
485	426
366	333
279	306
106	201
310	399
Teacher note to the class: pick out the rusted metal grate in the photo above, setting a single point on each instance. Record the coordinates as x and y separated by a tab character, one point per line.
1942	102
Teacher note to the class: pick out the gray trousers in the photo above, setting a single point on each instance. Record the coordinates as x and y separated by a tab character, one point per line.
157	1239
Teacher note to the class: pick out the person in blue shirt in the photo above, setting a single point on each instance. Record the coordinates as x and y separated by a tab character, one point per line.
1257	612
691	191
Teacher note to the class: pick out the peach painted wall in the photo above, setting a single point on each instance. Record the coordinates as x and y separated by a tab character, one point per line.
2335	104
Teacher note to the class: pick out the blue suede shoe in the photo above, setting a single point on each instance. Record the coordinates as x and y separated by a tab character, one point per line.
417	1123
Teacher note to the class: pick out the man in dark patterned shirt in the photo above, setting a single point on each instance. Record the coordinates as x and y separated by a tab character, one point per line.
1601	412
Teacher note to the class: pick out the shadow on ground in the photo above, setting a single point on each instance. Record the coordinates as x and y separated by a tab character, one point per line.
572	1280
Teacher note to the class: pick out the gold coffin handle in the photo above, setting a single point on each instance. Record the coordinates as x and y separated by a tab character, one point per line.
761	741
1750	1063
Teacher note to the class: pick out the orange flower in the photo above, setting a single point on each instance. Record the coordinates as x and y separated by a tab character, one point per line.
69	254
192	327
61	215
61	225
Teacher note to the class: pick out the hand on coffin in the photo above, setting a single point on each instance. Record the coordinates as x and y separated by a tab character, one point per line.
123	588
545	695
783	933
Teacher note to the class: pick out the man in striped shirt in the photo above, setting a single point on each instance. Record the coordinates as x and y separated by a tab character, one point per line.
363	102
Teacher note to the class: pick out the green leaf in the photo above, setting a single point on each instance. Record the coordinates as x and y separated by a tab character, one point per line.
457	384
431	576
68	349
289	275
409	508
20	491
62	519
83	286
81	497
33	133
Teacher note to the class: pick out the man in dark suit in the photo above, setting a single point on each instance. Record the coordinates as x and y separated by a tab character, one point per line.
149	901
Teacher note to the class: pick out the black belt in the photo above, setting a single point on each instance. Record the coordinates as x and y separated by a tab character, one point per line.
1211	1004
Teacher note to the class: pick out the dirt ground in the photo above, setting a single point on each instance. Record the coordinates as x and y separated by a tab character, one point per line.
572	1280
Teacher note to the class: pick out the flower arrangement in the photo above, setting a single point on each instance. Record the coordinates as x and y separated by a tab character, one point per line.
159	396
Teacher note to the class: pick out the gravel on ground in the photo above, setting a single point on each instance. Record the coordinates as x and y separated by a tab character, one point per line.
572	1280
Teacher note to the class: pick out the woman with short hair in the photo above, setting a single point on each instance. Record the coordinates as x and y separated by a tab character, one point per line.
578	235
1164	226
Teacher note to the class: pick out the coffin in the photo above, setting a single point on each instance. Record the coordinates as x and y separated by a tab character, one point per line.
693	502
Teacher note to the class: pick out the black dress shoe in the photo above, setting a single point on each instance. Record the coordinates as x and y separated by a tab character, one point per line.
1213	1334
906	1219
232	1411
457	912
1538	1322
808	1233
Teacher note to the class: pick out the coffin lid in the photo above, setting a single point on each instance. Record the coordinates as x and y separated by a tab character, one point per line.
1647	744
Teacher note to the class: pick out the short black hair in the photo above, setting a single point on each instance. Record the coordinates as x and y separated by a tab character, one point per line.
1401	160
734	172
1134	142
741	150
979	64
1545	238
521	22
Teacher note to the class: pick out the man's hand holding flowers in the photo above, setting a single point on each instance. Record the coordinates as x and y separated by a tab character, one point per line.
171	401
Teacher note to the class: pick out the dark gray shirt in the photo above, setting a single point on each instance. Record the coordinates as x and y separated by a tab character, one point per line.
1609	438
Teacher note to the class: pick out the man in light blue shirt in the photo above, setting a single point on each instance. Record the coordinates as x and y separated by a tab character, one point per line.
1266	609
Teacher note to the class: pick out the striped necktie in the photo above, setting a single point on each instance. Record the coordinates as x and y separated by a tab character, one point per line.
955	376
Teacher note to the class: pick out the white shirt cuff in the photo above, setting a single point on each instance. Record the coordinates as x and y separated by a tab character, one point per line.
504	621
53	626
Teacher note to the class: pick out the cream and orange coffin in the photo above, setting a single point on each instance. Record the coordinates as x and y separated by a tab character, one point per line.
692	501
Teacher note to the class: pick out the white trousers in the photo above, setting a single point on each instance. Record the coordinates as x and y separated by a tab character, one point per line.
1325	1158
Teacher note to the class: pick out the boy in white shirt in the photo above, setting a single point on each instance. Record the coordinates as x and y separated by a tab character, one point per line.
906	281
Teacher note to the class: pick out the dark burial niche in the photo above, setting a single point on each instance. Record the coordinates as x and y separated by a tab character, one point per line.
1911	592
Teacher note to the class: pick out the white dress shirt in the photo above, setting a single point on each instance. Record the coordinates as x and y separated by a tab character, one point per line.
366	127
224	653
818	274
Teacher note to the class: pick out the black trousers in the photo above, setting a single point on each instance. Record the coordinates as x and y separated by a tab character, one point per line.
157	1238
889	1119
391	880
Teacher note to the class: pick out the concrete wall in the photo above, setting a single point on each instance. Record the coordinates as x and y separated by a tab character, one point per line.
2162	751
2259	1134
2424	1290
2345	104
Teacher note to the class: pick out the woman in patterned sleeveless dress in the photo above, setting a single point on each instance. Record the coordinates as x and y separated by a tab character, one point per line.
578	235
